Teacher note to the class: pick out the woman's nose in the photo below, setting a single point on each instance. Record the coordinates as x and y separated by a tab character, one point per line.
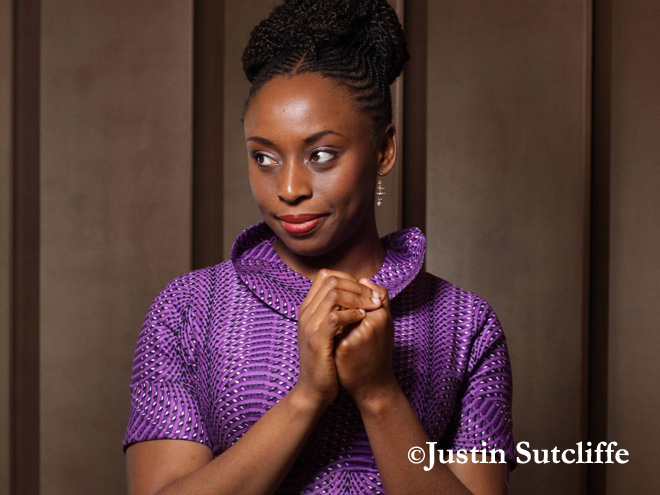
294	182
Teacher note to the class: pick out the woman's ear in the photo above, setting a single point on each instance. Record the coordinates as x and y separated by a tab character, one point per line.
387	151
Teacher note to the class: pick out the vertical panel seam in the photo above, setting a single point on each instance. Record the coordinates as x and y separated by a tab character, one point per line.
599	248
25	248
414	117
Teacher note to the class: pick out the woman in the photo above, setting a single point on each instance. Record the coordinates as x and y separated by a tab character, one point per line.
323	348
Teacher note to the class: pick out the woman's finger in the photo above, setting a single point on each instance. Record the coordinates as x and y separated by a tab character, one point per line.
309	304
334	297
335	282
337	309
340	318
382	291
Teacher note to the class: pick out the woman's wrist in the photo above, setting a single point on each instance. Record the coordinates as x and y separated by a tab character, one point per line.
379	399
307	402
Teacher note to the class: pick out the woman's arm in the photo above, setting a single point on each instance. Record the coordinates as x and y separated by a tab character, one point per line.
393	428
364	365
256	464
259	461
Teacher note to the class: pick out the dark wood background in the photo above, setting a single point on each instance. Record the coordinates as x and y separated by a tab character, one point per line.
530	145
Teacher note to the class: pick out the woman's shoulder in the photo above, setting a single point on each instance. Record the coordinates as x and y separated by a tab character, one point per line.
441	288
450	298
192	284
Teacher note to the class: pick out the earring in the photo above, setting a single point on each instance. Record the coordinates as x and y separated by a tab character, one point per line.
380	190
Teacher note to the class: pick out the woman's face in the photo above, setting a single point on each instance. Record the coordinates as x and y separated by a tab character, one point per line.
310	152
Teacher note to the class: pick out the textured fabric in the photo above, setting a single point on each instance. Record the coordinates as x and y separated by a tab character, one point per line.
218	348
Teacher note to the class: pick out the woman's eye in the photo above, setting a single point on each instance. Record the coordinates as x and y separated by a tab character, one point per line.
322	156
262	159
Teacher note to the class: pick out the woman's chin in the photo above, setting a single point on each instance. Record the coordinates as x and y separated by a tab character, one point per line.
305	247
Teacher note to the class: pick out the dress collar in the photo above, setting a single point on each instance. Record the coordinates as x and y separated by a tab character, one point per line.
276	284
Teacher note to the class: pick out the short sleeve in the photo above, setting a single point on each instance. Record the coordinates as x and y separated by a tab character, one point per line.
164	403
485	419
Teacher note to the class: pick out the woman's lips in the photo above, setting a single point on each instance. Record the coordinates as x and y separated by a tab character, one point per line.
300	224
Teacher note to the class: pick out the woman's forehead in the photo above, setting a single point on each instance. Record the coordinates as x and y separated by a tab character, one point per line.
303	101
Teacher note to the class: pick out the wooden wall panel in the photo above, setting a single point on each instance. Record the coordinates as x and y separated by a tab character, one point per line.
208	132
389	216
505	179
26	263
116	138
6	75
507	167
414	187
240	210
634	308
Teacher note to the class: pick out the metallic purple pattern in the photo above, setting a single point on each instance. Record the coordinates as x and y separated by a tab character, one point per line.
218	348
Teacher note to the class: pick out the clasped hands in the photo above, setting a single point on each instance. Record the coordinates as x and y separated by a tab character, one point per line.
345	338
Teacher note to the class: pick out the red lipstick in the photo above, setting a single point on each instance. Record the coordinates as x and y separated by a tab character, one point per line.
301	223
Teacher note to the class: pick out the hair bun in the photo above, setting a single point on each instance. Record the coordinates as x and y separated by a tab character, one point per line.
299	26
330	20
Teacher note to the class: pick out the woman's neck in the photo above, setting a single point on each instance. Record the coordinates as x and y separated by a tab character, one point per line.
360	256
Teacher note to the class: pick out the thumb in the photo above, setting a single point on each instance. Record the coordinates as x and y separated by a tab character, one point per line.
382	291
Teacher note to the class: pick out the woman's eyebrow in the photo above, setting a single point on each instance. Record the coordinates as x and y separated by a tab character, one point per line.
308	140
261	140
319	135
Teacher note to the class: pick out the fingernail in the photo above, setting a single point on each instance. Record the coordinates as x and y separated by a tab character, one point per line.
376	298
362	312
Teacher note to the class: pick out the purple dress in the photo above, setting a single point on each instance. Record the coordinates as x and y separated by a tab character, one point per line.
218	348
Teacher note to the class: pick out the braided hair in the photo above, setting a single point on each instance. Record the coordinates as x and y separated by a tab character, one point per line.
358	43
